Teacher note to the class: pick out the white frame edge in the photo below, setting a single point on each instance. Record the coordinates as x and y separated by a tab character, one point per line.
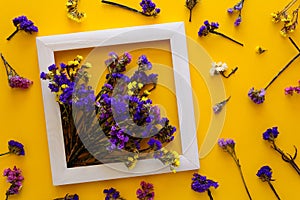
175	33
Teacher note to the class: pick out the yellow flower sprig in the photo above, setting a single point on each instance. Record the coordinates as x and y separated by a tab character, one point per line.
73	13
279	15
290	23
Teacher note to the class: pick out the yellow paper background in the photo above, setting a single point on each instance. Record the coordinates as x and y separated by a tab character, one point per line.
22	116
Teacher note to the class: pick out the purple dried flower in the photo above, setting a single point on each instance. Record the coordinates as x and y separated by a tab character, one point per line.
270	134
265	174
202	184
238	21
22	23
112	194
257	96
19	82
230	10
15	178
144	63
155	144
146	192
16	148
14	80
290	90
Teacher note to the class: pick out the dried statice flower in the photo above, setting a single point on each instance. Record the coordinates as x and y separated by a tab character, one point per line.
265	175
279	15
190	4
259	50
202	184
22	23
219	106
15	147
228	146
237	8
146	192
291	90
112	194
220	68
211	28
270	135
14	79
69	197
73	13
258	96
290	23
15	178
148	7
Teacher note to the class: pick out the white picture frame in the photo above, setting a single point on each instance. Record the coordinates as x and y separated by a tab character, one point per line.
175	33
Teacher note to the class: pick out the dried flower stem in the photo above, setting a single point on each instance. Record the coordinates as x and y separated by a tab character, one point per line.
273	189
2	154
13	34
237	162
287	158
288	6
227	37
9	70
125	7
283	69
209	194
232	72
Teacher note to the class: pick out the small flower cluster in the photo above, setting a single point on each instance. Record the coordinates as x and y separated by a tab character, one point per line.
217	68
289	21
15	147
14	79
146	192
62	82
22	23
291	90
237	8
257	96
149	8
201	183
73	13
265	173
69	197
208	28
15	178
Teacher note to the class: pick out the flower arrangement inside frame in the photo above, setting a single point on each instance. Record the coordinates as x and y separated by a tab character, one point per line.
117	124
